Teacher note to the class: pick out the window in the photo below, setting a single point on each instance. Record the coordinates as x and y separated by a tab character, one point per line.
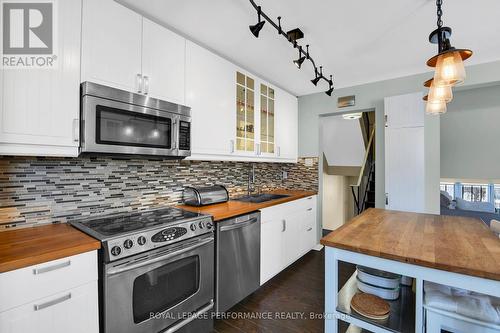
449	188
497	196
266	119
245	119
475	192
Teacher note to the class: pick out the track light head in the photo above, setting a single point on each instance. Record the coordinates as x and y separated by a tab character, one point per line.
316	76
256	28
300	60
330	90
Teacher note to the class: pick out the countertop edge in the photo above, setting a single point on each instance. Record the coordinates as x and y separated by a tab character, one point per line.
48	253
247	207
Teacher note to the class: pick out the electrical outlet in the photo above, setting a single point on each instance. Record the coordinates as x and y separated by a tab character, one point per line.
309	162
284	175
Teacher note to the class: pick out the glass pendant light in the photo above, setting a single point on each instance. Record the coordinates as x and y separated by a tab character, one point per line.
439	93
450	69
435	107
449	62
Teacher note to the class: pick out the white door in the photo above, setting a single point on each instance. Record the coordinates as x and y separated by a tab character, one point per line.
111	45
163	62
286	125
211	94
404	152
75	310
39	109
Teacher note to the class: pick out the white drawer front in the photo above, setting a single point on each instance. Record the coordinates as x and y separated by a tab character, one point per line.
74	310
34	282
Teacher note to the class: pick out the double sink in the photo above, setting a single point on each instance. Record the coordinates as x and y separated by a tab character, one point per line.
259	198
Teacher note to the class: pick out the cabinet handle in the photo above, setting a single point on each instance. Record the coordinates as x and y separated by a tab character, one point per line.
310	198
139	83
146	84
309	209
76	130
42	270
278	151
310	229
231	146
284	226
53	302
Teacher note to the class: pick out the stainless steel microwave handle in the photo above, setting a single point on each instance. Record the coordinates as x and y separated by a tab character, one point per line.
139	83
193	316
175	133
238	225
148	261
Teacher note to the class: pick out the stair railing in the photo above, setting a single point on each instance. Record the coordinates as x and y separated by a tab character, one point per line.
360	197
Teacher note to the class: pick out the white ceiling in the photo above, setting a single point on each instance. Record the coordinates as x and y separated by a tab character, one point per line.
357	41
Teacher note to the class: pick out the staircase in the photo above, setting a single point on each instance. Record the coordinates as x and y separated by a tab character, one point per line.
364	190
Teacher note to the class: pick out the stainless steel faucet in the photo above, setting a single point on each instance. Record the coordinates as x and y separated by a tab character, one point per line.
251	179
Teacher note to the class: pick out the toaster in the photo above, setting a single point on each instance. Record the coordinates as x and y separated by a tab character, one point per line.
202	196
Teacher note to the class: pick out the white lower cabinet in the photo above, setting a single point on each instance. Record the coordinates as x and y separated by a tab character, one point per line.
288	231
58	296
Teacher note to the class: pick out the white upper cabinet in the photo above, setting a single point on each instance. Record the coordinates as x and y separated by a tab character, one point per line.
39	108
123	50
111	45
286	126
211	94
163	62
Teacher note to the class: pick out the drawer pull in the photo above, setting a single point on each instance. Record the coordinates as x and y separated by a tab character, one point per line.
42	270
310	229
309	209
53	302
310	198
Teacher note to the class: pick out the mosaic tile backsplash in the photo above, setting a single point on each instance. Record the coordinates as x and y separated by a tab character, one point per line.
46	190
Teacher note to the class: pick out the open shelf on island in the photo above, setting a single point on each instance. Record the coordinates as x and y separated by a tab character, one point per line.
401	318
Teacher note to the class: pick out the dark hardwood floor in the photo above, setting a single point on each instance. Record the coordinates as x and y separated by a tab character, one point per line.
291	301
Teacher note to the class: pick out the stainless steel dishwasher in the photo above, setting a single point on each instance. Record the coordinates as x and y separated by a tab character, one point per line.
238	259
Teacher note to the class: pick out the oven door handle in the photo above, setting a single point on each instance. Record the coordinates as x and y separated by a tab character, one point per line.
148	261
195	315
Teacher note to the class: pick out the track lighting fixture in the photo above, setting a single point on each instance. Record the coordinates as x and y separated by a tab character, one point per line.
300	60
316	76
256	28
330	90
292	36
448	64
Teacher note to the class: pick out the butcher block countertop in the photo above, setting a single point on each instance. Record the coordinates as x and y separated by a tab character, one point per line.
20	248
234	208
456	244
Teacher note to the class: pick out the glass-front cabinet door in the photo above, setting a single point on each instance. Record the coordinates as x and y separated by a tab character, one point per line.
245	113
267	143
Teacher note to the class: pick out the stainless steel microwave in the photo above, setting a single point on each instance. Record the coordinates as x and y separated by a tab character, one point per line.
114	121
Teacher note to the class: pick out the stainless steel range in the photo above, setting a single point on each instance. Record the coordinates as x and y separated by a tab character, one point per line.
157	270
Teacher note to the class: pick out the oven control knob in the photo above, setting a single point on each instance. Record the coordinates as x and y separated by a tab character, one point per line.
141	240
193	227
128	243
209	225
116	250
201	225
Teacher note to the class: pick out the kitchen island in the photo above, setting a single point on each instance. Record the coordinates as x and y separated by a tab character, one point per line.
453	251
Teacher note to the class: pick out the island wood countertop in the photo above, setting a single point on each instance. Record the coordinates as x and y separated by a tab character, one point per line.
234	208
24	247
456	244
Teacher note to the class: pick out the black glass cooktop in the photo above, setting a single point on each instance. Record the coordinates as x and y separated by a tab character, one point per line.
125	223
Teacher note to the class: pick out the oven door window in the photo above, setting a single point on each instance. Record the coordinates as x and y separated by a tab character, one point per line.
162	288
125	128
